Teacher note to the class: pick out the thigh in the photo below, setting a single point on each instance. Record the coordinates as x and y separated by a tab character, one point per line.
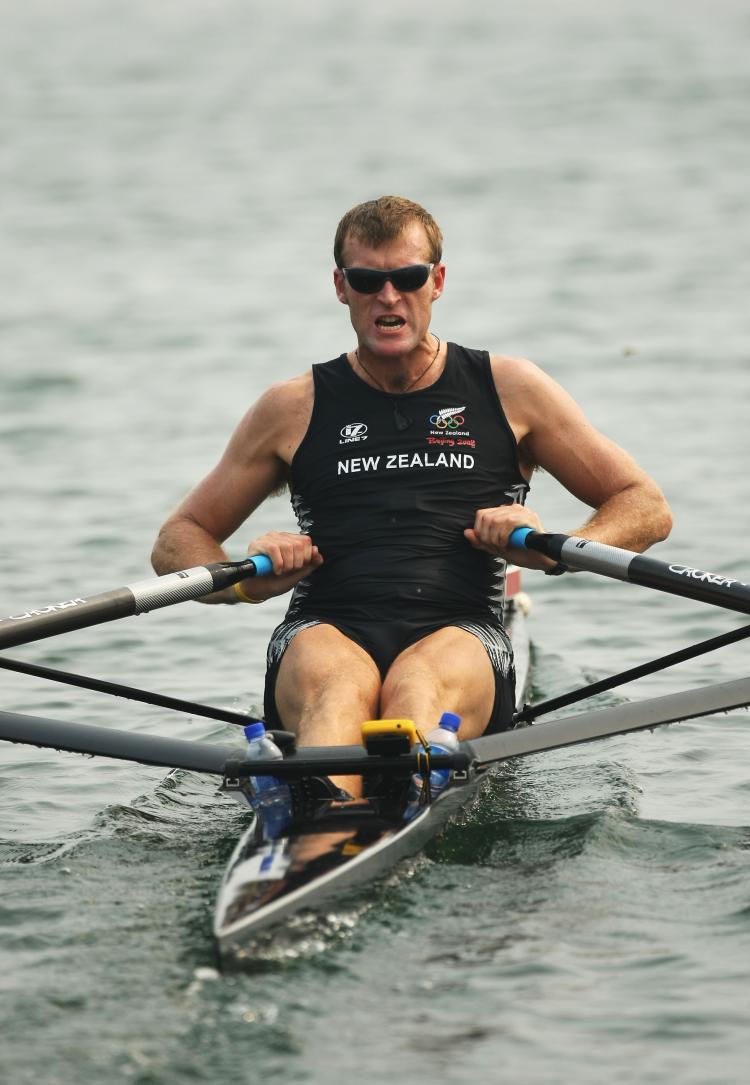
325	686
448	670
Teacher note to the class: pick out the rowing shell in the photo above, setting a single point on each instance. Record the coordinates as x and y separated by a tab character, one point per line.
337	846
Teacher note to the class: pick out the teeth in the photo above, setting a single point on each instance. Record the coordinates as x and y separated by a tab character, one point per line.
390	321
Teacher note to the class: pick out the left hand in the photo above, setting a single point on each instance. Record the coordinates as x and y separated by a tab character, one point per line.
492	529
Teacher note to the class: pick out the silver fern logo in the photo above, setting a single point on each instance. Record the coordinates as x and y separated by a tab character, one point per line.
448	418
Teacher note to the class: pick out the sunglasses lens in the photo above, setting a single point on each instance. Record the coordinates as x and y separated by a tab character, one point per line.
410	278
367	280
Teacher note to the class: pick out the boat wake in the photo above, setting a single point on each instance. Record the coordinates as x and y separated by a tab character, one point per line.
308	936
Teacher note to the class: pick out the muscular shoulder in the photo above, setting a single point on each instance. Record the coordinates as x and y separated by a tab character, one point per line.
280	416
518	376
526	392
293	395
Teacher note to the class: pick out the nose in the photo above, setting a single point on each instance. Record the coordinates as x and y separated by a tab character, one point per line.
389	294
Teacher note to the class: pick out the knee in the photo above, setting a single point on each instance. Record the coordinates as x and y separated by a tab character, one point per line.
311	678
412	691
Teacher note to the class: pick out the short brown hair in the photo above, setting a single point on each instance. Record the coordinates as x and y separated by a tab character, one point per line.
379	221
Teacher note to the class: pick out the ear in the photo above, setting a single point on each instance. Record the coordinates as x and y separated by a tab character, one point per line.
438	281
339	283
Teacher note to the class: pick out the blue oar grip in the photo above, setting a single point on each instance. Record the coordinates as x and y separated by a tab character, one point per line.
518	536
263	564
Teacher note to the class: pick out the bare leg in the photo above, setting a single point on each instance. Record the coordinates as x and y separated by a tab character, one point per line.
449	671
327	685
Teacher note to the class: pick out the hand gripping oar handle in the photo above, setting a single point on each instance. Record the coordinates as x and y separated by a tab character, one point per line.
146	595
673	577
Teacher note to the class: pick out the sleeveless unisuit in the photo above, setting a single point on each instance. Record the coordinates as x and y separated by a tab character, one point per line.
385	485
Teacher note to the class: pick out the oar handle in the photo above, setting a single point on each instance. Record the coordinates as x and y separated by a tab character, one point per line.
226	573
519	536
673	577
526	538
139	598
263	564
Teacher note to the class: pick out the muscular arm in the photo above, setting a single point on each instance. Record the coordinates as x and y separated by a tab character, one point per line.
553	433
254	464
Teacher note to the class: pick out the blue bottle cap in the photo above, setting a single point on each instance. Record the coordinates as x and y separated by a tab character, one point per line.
254	730
450	721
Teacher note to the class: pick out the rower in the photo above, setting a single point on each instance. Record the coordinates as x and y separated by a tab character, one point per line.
408	461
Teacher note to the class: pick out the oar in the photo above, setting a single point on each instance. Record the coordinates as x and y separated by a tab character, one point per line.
531	712
116	689
139	598
673	577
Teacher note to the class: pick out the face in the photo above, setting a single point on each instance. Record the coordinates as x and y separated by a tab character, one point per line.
390	324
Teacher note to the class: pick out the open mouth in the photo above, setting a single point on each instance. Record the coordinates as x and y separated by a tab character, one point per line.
390	322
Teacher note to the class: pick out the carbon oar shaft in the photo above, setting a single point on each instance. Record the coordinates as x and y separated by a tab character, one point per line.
139	598
672	577
116	689
531	712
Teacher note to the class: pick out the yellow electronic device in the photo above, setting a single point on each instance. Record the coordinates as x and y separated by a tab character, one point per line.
388	738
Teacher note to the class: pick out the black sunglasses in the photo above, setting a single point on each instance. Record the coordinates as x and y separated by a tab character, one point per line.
368	280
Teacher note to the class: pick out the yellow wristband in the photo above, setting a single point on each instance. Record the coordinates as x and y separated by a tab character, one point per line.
245	598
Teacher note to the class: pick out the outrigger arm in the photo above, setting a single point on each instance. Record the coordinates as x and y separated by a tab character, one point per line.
476	755
606	722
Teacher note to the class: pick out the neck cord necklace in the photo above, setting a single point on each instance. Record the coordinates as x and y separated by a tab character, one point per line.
401	420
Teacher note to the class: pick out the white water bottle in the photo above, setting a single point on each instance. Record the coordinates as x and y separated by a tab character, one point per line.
442	739
271	797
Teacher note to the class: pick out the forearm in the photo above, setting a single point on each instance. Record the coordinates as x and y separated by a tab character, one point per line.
182	544
634	518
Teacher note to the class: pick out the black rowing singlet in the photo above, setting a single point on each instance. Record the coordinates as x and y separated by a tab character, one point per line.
386	484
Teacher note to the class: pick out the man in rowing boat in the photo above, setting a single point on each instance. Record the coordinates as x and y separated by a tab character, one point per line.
408	460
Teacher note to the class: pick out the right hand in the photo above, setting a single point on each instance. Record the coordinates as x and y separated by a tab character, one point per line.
294	557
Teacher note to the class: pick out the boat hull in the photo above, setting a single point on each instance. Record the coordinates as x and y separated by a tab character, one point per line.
267	881
335	848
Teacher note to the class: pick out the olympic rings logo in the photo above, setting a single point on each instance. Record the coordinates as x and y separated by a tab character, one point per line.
443	421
